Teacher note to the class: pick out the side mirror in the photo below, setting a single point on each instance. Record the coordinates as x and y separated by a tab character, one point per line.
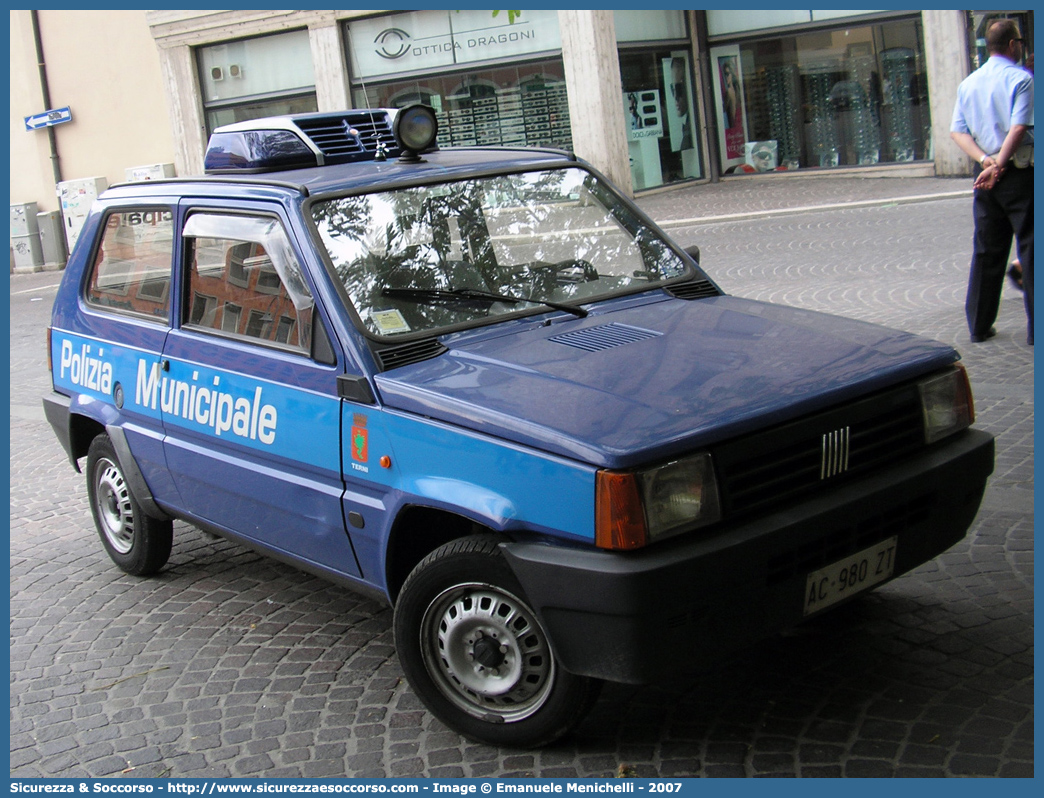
693	252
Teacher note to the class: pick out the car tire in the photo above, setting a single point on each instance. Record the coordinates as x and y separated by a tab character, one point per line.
139	544
475	653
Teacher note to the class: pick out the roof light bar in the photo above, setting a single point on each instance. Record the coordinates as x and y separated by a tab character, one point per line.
265	150
307	140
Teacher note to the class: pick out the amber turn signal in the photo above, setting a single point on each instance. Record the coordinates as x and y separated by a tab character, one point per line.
619	516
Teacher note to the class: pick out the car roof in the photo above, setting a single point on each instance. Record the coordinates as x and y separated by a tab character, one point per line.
435	166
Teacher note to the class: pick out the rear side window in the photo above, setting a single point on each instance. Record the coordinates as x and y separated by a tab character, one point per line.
244	280
131	271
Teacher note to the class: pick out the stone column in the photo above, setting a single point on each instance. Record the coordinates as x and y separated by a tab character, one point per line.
331	73
596	112
178	66
947	63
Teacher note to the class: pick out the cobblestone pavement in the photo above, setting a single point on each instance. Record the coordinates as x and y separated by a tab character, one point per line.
229	664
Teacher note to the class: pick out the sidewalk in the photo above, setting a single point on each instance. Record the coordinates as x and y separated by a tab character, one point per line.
743	197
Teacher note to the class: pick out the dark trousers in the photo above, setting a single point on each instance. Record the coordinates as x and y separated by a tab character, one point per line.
1000	213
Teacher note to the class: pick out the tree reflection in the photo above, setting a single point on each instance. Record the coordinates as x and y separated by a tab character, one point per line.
553	235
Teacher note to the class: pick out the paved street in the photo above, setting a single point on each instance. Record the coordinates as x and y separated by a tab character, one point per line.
229	664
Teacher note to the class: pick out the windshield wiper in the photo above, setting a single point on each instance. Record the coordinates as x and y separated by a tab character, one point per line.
458	295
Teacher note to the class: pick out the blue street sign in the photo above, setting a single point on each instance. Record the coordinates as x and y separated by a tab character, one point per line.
48	118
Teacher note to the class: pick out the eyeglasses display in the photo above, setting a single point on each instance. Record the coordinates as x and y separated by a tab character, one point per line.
898	66
504	106
829	98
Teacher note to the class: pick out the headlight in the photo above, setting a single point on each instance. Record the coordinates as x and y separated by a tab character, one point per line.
946	401
635	509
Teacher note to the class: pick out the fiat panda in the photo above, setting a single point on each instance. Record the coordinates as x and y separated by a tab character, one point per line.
481	386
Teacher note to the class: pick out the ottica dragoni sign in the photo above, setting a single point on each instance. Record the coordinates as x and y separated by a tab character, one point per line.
423	40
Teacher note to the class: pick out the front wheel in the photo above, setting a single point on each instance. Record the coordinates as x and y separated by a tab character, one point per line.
137	543
474	651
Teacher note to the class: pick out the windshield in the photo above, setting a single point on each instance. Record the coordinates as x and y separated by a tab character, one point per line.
455	254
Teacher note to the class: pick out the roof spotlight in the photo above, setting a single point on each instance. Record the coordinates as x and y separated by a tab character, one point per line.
415	128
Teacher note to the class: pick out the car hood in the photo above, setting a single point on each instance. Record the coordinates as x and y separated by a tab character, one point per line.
643	382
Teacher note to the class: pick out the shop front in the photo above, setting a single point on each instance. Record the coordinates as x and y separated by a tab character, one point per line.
815	89
495	79
701	93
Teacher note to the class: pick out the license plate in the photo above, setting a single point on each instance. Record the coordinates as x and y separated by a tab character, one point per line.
849	576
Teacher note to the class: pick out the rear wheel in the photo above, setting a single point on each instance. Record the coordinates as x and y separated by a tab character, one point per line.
476	654
137	543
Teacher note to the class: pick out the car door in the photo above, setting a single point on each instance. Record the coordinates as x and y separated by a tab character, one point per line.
248	390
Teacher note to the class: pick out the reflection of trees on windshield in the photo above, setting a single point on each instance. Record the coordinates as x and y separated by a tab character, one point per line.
342	223
554	235
660	261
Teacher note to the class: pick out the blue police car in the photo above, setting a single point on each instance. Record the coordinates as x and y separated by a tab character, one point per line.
481	386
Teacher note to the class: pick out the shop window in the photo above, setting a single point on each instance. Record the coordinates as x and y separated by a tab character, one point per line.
411	95
659	99
649	25
518	105
661	116
473	113
844	97
252	78
545	110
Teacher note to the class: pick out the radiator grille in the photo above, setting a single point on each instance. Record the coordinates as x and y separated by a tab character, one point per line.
789	461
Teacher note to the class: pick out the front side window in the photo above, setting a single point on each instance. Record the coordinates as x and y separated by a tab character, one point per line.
466	253
131	270
244	280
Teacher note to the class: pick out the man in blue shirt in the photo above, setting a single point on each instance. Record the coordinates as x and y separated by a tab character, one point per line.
993	124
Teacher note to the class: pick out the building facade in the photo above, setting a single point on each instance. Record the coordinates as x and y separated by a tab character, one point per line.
654	98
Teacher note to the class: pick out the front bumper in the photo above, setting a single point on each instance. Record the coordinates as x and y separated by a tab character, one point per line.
636	617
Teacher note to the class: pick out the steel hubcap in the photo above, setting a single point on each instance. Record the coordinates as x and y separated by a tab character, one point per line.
114	506
487	652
